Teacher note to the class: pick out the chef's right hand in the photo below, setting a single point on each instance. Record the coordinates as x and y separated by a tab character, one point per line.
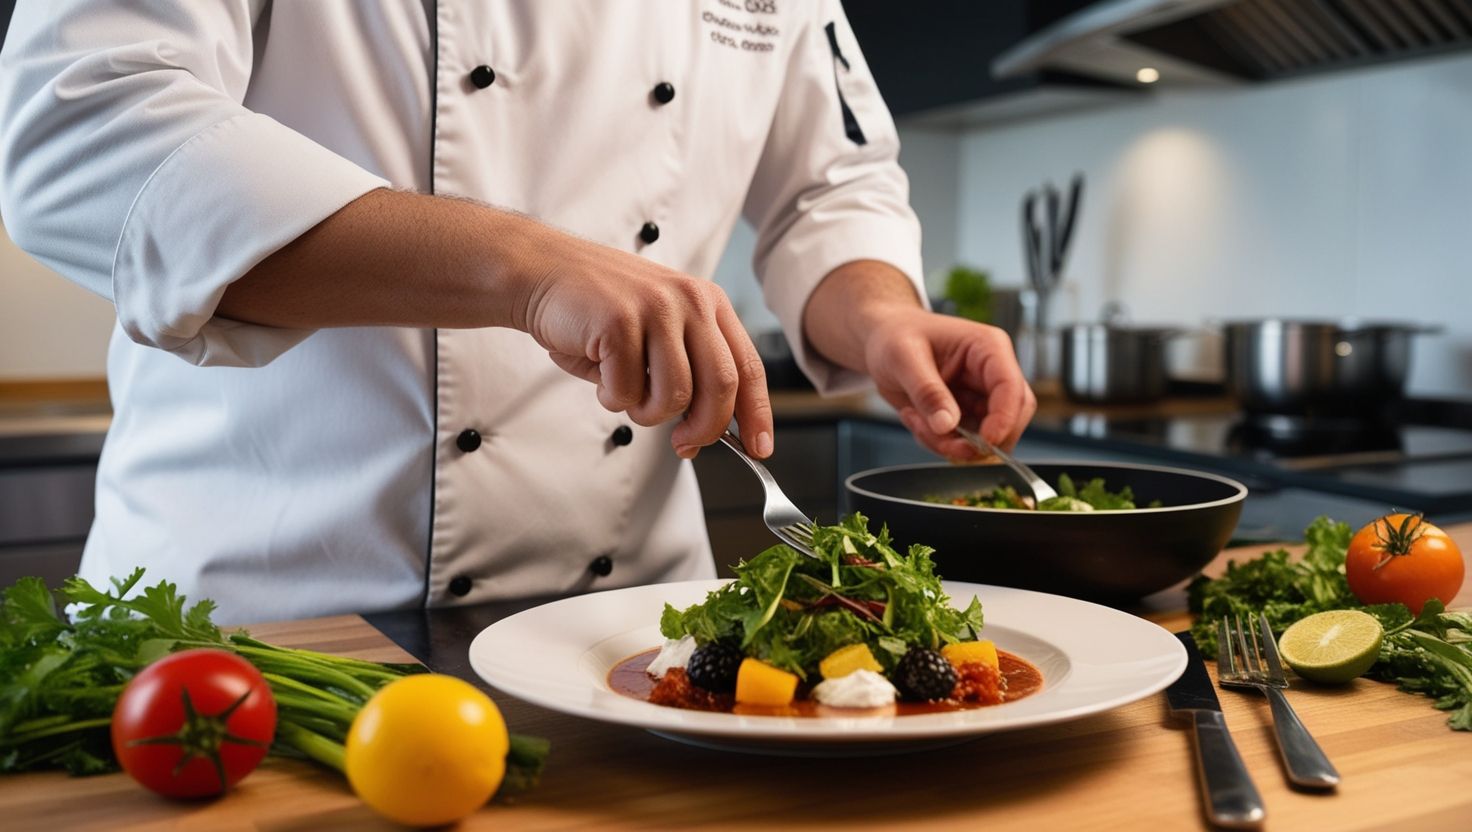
656	342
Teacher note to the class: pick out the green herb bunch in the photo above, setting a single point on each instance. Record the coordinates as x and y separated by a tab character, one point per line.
1429	654
60	678
791	611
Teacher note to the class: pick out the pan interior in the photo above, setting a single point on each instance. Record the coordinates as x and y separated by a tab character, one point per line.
920	483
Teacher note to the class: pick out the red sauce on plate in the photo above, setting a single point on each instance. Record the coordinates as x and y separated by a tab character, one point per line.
629	677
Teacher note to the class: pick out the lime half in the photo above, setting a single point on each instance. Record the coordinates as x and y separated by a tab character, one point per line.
1332	647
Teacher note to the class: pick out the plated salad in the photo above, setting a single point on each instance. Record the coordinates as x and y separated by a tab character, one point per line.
859	626
1094	496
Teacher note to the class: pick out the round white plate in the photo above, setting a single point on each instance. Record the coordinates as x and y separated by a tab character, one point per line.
1093	658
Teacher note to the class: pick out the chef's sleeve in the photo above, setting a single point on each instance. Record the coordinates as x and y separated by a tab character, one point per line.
828	189
129	165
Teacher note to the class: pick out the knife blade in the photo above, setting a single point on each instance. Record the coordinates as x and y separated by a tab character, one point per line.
1228	794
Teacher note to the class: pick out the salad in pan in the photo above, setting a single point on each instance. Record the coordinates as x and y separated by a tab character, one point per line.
862	625
1093	496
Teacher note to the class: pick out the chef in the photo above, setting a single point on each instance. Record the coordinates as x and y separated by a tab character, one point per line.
412	296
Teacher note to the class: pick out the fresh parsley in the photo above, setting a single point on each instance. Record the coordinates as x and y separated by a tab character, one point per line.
1429	654
61	676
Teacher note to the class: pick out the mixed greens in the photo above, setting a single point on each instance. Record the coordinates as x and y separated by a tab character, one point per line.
791	611
1430	653
61	677
1094	496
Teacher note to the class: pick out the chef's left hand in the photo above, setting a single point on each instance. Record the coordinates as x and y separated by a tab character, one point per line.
931	368
935	368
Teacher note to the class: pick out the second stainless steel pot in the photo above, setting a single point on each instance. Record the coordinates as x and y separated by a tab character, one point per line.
1276	365
1104	363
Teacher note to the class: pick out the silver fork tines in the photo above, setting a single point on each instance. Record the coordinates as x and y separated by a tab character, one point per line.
783	518
1247	657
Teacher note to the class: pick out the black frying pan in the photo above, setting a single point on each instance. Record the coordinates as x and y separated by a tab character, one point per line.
1110	556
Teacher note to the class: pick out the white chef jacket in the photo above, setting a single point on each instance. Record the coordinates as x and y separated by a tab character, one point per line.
154	152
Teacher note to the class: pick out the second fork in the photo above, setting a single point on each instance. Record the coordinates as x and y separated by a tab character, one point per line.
1244	661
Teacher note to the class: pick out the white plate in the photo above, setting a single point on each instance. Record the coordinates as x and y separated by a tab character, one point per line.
1093	658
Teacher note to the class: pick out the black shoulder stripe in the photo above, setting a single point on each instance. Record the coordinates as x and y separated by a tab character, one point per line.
851	126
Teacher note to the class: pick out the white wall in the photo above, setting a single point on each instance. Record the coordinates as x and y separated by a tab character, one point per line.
49	327
1343	195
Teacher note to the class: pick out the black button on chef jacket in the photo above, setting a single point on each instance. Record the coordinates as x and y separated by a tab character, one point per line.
482	76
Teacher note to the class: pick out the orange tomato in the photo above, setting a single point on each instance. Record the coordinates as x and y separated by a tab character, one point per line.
1401	558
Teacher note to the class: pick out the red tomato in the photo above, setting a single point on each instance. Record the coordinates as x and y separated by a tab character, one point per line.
194	723
1401	558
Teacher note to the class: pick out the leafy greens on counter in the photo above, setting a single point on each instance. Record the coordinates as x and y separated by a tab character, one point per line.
791	610
60	677
1429	654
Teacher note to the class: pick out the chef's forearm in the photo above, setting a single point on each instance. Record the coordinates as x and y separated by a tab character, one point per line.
400	259
849	303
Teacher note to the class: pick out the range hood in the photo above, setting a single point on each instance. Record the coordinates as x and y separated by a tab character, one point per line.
1213	42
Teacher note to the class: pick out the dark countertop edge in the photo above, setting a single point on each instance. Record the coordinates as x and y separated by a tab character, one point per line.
51	449
440	637
84	447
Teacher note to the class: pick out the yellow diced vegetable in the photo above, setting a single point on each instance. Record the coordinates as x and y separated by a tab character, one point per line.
758	683
846	660
966	652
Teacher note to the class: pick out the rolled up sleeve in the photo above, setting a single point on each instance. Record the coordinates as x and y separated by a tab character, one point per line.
828	189
129	164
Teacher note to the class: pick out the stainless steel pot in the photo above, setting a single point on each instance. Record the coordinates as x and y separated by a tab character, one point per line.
1107	363
1276	365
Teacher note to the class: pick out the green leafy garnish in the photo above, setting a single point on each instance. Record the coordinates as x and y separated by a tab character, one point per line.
791	611
60	678
1284	590
1429	654
1094	496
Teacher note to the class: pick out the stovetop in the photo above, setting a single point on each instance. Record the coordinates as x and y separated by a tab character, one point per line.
1287	443
1417	466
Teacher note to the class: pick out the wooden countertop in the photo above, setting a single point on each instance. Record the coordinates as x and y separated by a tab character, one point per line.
1128	768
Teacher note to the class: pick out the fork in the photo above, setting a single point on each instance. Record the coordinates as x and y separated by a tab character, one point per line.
784	519
1040	489
1249	659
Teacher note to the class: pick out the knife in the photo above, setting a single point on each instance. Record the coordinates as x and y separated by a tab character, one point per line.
1227	791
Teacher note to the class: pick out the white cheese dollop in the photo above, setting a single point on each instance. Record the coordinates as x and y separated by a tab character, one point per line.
674	653
860	689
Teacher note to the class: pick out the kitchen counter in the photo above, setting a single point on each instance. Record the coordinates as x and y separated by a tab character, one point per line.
46	423
50	440
1129	768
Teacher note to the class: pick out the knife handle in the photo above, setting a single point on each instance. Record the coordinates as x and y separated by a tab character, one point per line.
1306	762
1230	797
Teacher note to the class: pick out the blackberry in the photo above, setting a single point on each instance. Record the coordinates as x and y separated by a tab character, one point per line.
713	666
925	675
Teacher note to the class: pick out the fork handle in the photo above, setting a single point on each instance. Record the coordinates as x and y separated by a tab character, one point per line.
733	442
1305	761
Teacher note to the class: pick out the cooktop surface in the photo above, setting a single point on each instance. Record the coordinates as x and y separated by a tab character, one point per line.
1416	466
